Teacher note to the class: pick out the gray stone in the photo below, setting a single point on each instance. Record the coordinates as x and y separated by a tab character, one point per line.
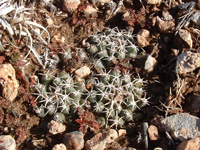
187	62
196	18
74	140
7	142
182	126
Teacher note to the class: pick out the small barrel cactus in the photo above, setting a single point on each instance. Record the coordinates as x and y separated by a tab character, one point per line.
110	47
58	94
116	96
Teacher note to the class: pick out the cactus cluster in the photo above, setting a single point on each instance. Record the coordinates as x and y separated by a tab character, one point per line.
115	96
110	47
58	94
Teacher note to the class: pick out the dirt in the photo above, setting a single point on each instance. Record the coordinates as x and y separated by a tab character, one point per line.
20	120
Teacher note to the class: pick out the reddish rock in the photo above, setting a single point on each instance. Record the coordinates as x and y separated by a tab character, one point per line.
193	144
74	140
99	141
8	82
165	26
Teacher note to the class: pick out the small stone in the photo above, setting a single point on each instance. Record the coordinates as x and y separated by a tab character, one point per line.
158	148
37	31
90	10
142	35
100	2
193	144
165	26
8	82
49	21
59	147
166	16
74	140
187	62
99	141
58	39
150	63
121	132
55	127
127	148
186	36
154	2
70	5
83	72
153	133
182	126
196	18
7	142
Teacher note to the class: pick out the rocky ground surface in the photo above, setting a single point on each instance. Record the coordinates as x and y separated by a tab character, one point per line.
99	75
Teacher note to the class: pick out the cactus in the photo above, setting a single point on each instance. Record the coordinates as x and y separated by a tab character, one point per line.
113	95
110	47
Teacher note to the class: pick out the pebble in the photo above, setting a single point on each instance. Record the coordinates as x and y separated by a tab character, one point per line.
193	144
127	148
99	141
193	102
59	147
121	132
90	10
49	21
8	82
142	35
56	127
150	63
166	16
186	36
7	142
58	39
196	18
100	2
165	26
187	62
70	5
154	2
83	72
153	133
181	126
74	140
